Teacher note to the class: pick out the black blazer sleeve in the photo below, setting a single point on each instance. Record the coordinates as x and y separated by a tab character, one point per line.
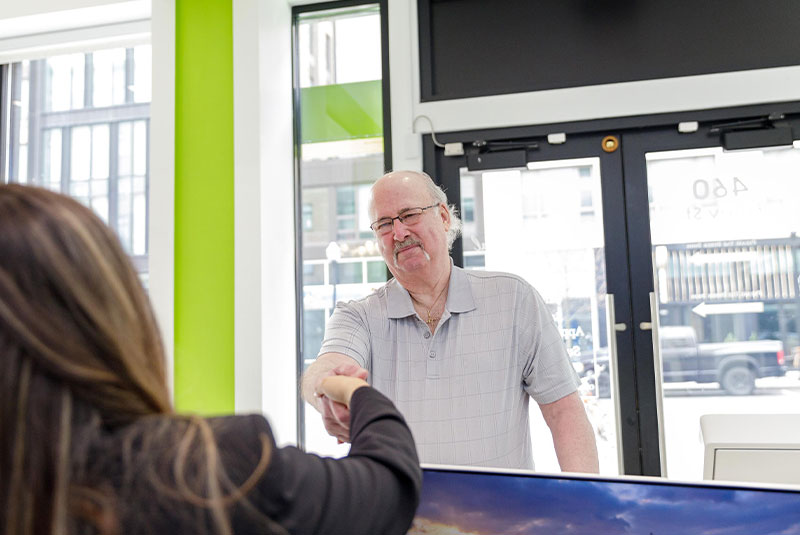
374	490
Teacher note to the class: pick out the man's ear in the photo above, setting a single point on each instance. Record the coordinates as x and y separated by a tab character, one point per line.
445	213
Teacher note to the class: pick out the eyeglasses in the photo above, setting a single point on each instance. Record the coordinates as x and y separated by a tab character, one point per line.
410	216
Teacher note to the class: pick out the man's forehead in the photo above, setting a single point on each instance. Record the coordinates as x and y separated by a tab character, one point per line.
397	195
400	183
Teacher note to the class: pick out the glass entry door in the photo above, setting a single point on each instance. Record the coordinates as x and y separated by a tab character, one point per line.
547	222
678	295
722	241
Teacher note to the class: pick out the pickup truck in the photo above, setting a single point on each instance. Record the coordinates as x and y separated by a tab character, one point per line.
734	365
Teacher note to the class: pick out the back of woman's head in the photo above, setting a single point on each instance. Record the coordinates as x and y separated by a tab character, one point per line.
79	347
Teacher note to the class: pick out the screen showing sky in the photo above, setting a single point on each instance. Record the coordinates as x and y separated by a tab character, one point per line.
460	503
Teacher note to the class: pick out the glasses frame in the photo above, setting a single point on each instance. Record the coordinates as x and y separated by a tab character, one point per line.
401	216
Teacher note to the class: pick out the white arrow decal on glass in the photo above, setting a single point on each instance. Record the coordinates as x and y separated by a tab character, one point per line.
704	309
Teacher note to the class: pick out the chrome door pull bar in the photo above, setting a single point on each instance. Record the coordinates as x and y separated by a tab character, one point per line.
652	325
612	329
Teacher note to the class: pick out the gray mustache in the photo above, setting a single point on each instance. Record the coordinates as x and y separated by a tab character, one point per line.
406	243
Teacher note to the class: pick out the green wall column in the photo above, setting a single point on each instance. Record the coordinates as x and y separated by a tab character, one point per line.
204	204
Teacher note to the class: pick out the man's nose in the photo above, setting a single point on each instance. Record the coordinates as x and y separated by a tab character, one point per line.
400	230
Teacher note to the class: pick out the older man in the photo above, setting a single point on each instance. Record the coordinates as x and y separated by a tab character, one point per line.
459	352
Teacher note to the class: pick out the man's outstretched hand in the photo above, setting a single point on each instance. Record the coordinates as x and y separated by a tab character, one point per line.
335	414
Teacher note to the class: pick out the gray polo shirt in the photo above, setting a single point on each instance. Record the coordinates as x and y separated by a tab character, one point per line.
463	389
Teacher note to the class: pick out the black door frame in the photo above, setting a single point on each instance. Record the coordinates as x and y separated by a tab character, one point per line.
626	228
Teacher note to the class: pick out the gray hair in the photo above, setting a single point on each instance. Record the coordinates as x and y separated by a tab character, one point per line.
437	195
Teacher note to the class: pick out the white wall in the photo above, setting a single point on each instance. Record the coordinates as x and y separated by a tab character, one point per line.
265	369
71	28
616	100
162	176
404	86
13	9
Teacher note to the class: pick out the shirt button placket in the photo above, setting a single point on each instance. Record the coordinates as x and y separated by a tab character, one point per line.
433	366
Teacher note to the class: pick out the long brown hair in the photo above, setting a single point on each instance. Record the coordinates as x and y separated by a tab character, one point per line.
81	354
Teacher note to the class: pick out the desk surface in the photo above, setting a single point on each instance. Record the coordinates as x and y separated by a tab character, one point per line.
751	430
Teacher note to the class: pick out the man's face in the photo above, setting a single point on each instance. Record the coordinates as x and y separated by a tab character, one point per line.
409	247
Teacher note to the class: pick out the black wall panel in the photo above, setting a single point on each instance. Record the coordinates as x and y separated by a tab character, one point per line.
474	48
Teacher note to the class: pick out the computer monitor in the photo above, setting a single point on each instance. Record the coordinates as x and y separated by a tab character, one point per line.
751	447
458	500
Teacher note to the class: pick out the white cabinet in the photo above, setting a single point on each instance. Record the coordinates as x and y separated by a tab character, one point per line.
763	448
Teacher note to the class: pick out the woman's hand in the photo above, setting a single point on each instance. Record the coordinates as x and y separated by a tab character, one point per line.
340	388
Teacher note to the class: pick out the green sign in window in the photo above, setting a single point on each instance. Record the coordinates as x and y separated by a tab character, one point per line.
341	111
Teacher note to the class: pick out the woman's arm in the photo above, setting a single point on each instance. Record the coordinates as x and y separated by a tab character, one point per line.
373	490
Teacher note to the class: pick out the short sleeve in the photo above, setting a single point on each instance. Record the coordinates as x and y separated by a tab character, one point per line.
548	374
347	333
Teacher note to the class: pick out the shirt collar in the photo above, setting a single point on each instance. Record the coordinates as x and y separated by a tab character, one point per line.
459	296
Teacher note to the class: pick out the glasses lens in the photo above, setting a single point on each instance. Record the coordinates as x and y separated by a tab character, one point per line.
383	226
411	217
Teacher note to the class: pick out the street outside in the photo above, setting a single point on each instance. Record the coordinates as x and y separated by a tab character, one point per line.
684	403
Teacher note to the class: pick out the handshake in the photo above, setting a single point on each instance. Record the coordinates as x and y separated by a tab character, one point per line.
333	386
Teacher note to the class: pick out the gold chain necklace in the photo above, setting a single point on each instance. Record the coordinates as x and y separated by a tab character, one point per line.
431	321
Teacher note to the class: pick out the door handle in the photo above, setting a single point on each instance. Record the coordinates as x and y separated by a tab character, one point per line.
612	328
652	326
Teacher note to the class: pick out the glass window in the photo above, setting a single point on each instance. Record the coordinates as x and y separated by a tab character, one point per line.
345	200
141	85
313	274
339	72
376	271
132	186
80	127
314	321
108	77
356	62
563	256
724	229
474	261
350	273
65	80
468	207
308	216
51	159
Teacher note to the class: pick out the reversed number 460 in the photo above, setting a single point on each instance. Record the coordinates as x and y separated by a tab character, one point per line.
702	188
